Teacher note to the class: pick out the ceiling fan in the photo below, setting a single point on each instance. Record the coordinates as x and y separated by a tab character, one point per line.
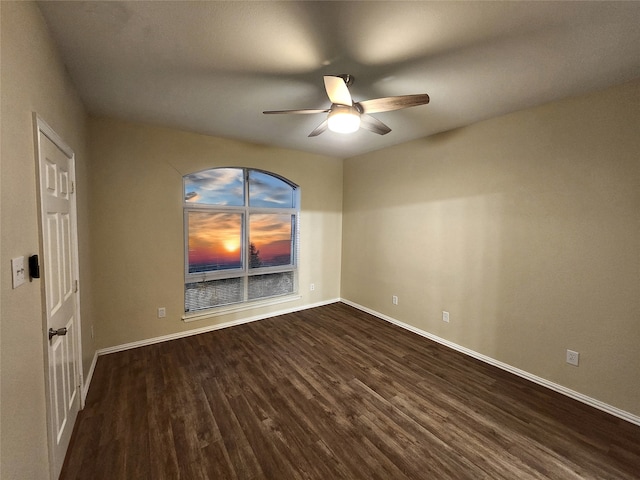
346	116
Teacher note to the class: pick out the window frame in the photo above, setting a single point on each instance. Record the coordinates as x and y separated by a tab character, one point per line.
245	271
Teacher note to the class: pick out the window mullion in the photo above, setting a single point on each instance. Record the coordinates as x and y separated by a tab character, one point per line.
245	241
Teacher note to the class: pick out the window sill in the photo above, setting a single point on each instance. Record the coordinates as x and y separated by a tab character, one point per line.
216	312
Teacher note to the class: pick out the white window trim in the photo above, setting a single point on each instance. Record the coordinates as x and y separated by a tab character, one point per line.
245	272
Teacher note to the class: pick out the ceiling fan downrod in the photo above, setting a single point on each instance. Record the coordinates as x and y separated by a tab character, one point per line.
348	79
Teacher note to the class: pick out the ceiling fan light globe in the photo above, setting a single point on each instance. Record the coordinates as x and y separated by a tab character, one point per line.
344	121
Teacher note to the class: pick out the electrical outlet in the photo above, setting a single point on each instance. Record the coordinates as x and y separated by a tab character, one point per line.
312	287
573	357
445	316
162	312
394	299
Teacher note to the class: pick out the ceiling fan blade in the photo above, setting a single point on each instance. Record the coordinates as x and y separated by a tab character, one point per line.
319	129
337	90
387	104
296	111
373	124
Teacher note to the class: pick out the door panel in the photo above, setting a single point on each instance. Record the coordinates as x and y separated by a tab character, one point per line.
52	259
59	247
66	269
64	374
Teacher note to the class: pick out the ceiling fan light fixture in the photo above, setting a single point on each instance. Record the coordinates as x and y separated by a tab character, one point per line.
345	116
343	119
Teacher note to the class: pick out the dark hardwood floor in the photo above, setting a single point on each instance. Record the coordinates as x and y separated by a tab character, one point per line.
330	393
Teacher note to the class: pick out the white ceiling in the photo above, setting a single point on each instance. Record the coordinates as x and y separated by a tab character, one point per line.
213	67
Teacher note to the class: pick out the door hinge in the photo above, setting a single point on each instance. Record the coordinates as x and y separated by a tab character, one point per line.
73	186
75	286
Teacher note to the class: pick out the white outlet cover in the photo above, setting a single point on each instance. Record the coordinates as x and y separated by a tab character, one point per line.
573	358
445	316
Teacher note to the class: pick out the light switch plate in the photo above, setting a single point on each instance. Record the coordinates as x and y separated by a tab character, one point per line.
17	270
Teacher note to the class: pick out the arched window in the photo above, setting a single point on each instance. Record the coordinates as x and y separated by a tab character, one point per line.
241	237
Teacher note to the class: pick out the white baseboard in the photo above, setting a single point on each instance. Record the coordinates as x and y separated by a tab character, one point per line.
87	380
629	417
210	328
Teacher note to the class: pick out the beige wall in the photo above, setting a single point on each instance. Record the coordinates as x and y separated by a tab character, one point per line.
33	79
526	228
137	224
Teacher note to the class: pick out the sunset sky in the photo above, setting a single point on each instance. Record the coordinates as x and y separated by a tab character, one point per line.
215	238
219	186
271	234
225	186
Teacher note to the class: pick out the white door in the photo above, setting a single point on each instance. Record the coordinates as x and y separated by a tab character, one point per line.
59	267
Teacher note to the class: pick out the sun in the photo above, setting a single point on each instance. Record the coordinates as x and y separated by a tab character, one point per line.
231	245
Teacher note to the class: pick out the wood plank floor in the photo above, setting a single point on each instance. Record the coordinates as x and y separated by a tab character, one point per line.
332	393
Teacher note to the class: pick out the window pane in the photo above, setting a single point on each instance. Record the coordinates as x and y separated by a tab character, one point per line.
198	296
268	191
270	239
215	241
219	186
271	285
